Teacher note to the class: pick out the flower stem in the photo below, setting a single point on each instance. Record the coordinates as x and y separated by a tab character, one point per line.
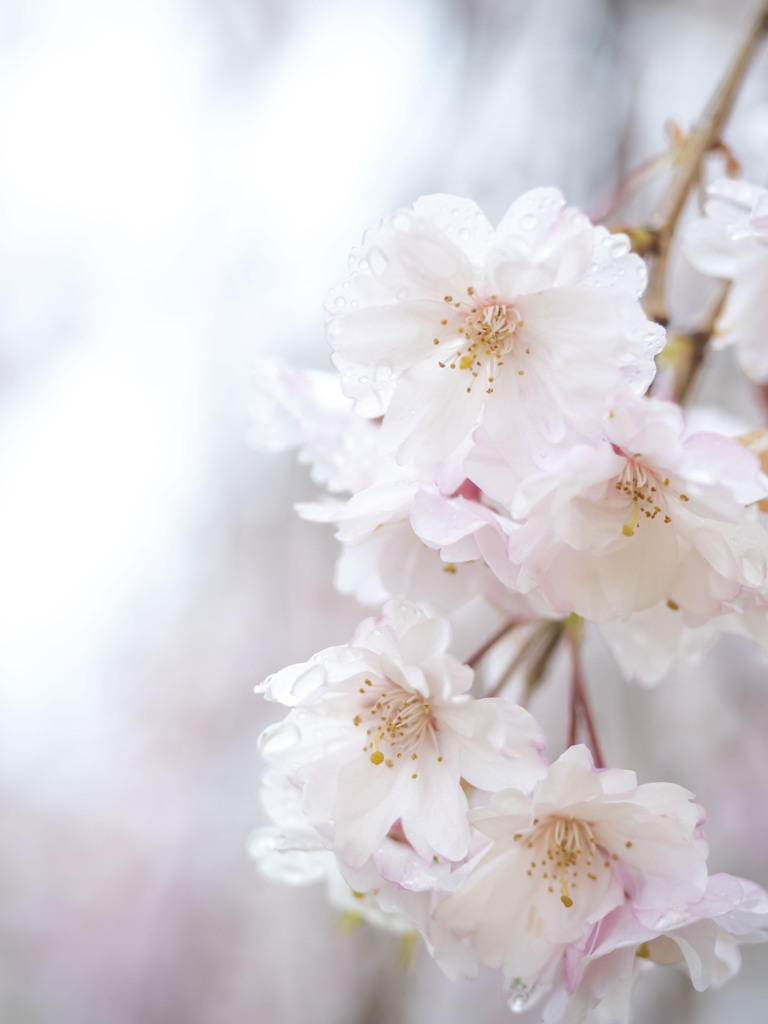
492	640
698	342
579	707
702	139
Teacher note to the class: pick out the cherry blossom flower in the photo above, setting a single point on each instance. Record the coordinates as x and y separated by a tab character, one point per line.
732	242
647	515
307	410
565	857
383	732
445	323
702	939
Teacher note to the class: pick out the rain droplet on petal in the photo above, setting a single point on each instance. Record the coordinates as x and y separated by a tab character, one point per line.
340	301
529	222
464	234
519	995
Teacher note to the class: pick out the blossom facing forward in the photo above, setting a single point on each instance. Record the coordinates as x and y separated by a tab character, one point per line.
383	733
566	856
445	323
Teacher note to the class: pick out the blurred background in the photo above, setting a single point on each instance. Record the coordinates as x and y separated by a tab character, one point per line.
180	182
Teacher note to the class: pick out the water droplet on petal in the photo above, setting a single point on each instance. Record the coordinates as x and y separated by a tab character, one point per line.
519	995
363	264
340	301
401	222
528	222
619	247
464	234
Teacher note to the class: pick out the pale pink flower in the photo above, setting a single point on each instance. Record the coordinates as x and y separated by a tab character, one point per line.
384	733
732	243
701	939
647	515
307	410
381	554
445	323
565	857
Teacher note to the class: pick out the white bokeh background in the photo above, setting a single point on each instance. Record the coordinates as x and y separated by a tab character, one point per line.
180	182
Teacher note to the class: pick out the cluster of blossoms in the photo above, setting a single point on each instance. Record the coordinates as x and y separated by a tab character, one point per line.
493	461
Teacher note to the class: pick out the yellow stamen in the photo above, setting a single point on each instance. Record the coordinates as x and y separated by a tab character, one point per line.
565	899
628	529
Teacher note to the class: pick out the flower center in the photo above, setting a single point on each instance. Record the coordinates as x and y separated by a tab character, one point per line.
645	489
399	722
488	331
567	854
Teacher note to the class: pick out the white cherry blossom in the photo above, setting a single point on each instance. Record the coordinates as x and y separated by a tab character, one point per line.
701	939
383	733
565	857
445	323
732	243
647	515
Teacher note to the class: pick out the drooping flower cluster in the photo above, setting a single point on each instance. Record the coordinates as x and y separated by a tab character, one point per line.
418	801
492	463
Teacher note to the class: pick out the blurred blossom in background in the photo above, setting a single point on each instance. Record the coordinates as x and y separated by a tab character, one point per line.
180	182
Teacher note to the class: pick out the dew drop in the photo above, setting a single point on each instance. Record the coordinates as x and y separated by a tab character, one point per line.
363	264
464	234
340	301
594	268
519	995
619	247
529	222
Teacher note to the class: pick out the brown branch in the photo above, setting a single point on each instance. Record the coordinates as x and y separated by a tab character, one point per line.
481	652
579	701
698	341
537	649
704	136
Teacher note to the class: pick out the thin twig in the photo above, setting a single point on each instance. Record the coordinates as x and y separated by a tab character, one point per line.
704	136
481	652
538	648
699	342
580	701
